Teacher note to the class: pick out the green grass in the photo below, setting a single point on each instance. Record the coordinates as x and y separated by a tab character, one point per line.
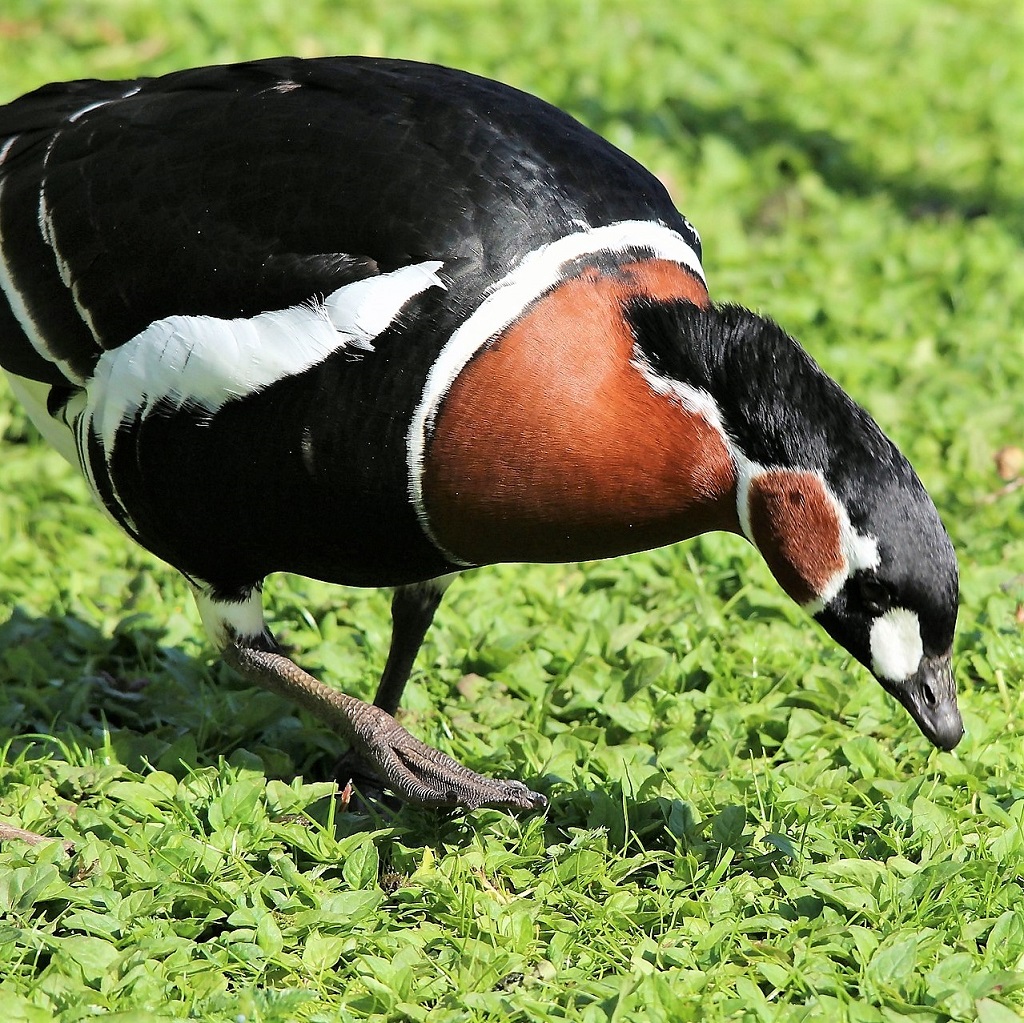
742	825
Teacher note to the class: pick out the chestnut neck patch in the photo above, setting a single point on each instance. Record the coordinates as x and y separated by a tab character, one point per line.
796	526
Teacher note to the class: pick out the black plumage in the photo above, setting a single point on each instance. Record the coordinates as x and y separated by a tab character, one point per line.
244	297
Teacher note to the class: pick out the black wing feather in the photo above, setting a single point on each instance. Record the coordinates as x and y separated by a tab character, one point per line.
229	190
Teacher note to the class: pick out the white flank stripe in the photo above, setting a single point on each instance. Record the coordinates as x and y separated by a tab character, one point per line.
539	271
206	362
363	310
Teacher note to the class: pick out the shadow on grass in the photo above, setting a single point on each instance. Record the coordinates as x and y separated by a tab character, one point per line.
69	690
635	826
65	683
844	168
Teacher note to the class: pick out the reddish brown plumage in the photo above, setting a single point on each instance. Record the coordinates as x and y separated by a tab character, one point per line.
551	446
796	527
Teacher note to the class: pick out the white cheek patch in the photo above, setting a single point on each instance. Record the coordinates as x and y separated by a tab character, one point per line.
205	362
896	648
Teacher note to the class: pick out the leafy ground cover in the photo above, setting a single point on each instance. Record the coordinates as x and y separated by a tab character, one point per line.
742	825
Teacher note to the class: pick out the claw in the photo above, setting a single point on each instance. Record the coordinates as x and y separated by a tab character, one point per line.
414	771
420	774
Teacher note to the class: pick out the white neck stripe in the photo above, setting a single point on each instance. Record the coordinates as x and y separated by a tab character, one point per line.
537	273
858	551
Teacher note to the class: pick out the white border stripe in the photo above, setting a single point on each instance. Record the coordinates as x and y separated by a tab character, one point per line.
538	272
14	297
46	229
20	309
859	551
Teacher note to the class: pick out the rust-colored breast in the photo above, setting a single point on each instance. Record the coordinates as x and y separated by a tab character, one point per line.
551	446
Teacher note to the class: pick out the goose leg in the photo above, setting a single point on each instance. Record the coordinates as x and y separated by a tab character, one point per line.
415	772
412	770
412	611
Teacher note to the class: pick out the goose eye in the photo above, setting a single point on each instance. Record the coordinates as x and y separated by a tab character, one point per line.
874	594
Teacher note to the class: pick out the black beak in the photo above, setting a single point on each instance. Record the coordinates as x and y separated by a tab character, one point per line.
930	696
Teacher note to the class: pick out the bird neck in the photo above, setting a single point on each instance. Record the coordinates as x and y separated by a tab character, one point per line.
801	449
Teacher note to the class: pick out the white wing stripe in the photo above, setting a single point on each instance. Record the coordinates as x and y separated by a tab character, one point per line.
46	229
205	362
